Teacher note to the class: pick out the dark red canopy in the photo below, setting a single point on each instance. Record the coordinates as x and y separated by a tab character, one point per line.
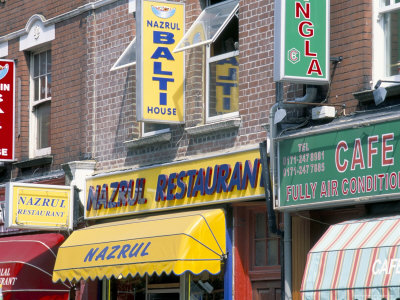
26	267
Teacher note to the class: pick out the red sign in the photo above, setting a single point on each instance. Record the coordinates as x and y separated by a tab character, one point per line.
7	109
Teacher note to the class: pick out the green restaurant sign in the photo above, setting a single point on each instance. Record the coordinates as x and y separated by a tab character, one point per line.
340	166
302	41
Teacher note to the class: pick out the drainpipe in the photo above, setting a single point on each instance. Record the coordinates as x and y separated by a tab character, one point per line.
310	96
270	209
287	254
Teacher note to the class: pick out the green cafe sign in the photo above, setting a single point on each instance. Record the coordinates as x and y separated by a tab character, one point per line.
302	41
343	166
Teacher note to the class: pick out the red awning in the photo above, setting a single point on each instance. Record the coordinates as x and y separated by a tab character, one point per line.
26	267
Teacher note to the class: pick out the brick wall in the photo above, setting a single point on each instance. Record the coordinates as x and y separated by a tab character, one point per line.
112	102
351	37
68	75
68	90
94	109
15	14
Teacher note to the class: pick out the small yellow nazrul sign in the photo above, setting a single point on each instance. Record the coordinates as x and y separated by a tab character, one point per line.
39	206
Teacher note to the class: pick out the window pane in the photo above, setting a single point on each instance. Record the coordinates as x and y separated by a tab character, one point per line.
36	88
261	226
273	251
42	87
224	86
206	286
36	65
128	57
260	255
43	125
43	61
392	31
149	127
228	40
208	25
131	288
48	61
49	85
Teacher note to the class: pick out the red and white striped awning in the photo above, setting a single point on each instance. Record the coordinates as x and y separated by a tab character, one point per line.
357	259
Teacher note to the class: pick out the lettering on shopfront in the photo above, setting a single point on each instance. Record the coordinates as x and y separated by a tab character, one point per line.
350	157
118	252
201	182
37	206
211	180
6	278
387	267
119	193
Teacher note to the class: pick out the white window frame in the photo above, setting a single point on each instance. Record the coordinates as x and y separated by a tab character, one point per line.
211	59
210	36
154	132
127	58
33	151
379	40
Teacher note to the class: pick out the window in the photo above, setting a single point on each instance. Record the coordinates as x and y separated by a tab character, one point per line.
223	73
40	103
149	129
264	244
127	58
217	28
387	40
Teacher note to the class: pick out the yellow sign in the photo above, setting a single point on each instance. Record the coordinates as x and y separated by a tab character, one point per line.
162	76
37	206
225	178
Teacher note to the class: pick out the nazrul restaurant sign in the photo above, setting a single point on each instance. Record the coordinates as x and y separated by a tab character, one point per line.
215	180
39	206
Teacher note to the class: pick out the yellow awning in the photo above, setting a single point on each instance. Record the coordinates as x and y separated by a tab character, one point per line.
186	241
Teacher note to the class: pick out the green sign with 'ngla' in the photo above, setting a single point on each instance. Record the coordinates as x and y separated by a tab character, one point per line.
302	41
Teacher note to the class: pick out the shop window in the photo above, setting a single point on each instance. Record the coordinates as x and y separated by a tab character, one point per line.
162	287
207	286
387	40
217	28
265	246
40	69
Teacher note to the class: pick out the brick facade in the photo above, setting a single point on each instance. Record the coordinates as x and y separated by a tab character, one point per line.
93	109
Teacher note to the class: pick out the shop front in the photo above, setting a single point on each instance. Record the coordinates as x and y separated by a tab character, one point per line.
192	242
340	182
162	232
26	265
28	243
356	259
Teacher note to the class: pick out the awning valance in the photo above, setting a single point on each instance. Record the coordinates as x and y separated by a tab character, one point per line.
26	266
186	241
355	260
